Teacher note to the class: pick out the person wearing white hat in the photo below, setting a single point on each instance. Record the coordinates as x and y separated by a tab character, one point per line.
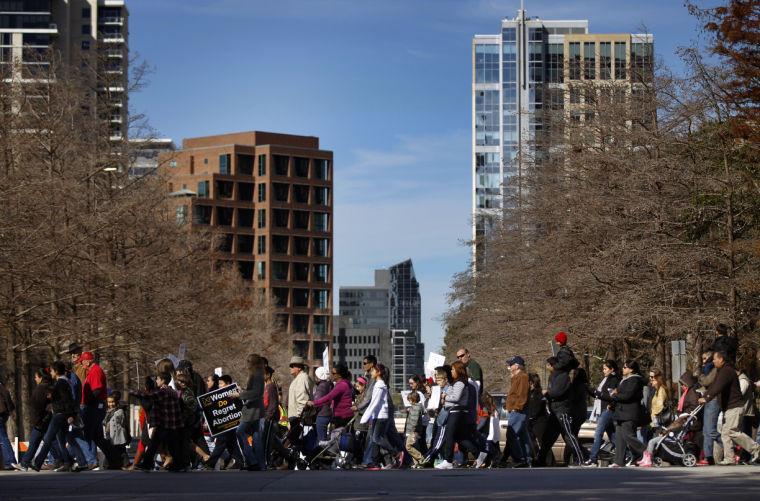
300	389
324	414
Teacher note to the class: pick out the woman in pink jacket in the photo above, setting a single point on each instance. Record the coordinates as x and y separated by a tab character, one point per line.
340	397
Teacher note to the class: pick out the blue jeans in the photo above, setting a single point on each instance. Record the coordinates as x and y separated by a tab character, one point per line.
378	440
252	455
34	442
58	434
322	423
5	444
92	418
518	438
603	424
710	426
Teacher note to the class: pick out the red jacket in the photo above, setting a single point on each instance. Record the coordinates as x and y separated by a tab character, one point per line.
95	381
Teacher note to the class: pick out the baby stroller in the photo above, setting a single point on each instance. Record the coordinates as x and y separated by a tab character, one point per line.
301	440
674	446
337	452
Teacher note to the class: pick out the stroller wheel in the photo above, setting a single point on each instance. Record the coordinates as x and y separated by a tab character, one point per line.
657	461
689	460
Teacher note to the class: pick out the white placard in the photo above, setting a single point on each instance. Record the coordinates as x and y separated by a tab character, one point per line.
435	398
326	358
434	360
218	371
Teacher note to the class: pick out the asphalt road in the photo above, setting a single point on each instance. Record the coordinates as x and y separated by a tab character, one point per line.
719	483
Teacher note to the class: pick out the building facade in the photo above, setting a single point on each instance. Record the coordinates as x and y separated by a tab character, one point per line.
92	35
518	74
146	153
270	197
384	320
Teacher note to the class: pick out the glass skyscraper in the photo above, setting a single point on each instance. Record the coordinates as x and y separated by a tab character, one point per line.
516	74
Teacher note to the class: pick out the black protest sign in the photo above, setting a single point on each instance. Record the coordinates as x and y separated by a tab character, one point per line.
221	411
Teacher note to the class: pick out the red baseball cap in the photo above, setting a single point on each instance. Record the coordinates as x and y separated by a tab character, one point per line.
87	355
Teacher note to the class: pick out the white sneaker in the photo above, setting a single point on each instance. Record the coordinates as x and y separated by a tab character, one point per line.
481	459
444	465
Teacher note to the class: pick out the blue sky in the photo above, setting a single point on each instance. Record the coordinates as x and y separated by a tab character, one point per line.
385	84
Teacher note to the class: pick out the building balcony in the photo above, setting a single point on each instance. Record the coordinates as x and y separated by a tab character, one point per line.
114	53
115	119
111	20
113	38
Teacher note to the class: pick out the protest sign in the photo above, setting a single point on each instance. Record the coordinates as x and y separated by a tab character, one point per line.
221	411
434	360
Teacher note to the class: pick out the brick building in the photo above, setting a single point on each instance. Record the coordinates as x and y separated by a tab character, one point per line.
270	196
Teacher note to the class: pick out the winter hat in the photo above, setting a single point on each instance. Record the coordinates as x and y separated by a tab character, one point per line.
561	338
322	373
361	380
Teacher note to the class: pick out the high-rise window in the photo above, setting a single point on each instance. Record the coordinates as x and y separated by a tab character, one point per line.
245	165
321	297
225	164
605	60
281	165
281	192
321	246
321	196
589	60
487	118
261	244
262	165
487	63
641	61
320	168
555	71
280	270
575	60
262	192
320	273
262	218
301	167
203	189
261	267
321	220
620	63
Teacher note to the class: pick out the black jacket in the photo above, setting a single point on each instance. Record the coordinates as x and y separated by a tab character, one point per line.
62	399
566	360
38	413
253	399
612	382
560	394
628	399
536	405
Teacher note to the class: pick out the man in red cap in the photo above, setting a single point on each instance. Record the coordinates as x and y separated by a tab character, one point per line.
93	407
566	360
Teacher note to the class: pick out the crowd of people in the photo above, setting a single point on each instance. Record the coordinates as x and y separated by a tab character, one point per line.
450	421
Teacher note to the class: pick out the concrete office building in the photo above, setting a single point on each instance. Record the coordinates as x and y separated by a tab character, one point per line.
271	197
383	320
527	68
88	34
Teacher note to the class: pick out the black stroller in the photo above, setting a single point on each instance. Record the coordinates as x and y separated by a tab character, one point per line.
338	452
674	446
301	440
